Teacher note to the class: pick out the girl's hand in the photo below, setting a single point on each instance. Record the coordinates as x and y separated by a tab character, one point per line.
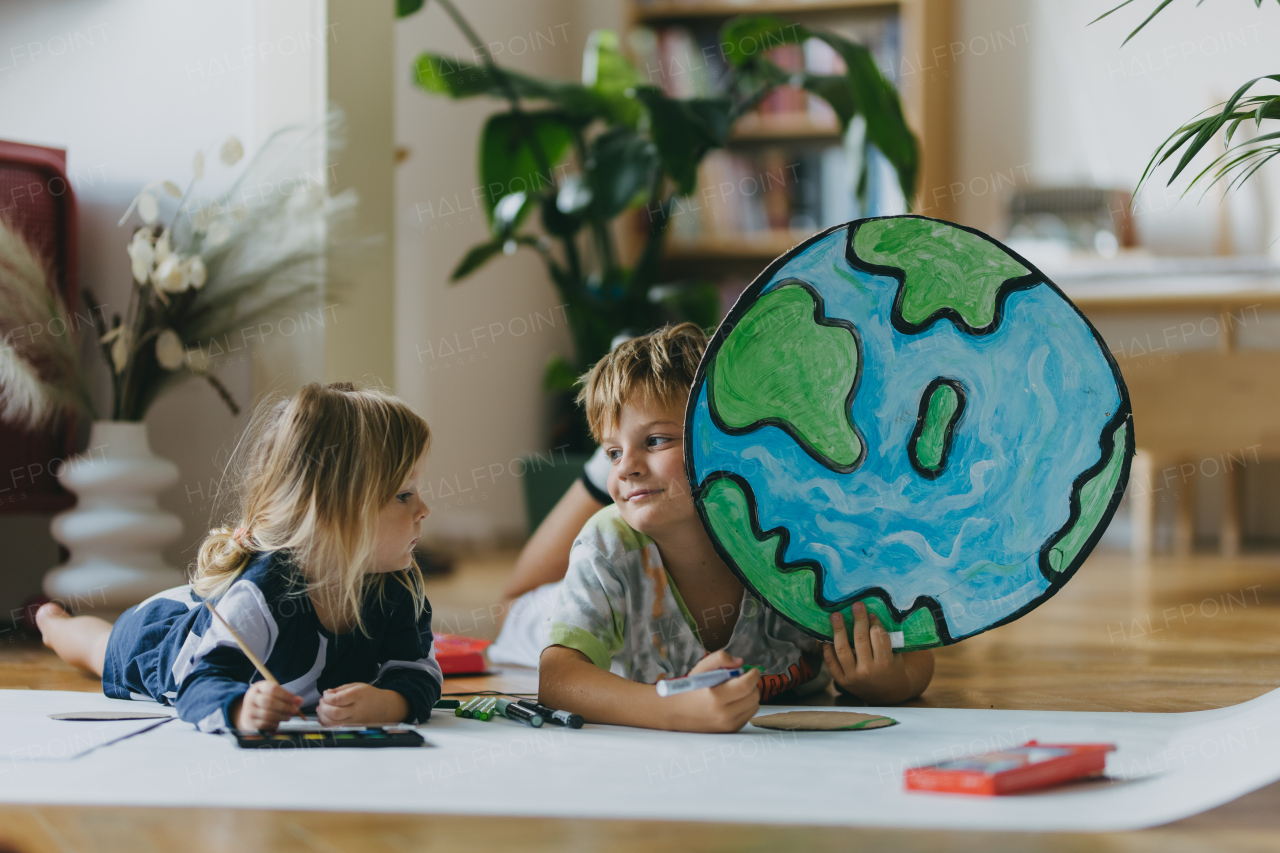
869	669
361	704
724	708
264	707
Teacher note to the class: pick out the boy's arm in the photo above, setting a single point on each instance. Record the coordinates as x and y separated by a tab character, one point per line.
588	629
569	681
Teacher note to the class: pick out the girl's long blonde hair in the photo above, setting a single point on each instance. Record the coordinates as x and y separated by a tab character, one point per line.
311	475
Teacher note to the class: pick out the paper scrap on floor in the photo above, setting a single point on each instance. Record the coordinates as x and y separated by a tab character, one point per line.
1167	767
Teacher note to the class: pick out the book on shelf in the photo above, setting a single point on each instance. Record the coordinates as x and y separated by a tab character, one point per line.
682	62
791	173
686	61
786	99
770	189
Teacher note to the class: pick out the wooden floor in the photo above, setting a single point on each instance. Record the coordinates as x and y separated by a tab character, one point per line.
1168	636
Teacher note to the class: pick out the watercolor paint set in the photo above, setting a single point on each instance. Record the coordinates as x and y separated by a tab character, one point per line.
353	737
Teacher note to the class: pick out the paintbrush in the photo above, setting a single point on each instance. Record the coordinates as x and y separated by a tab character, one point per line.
244	647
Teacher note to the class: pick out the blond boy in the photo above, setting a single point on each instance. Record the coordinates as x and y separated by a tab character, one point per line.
647	597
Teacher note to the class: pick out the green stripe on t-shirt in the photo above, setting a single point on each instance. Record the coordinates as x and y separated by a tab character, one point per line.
579	639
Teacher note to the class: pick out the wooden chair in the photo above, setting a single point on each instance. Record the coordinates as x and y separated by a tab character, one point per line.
1198	414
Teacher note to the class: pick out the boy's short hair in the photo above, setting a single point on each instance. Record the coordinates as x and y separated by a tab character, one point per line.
659	367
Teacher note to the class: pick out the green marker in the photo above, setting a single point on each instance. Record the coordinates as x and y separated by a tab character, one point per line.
447	705
468	709
484	711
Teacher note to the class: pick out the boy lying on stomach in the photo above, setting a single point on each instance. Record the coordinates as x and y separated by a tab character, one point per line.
647	597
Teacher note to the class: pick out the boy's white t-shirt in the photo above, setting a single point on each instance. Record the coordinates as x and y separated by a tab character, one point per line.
528	622
618	607
526	629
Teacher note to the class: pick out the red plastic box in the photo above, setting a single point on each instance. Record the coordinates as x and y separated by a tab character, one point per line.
458	655
1024	768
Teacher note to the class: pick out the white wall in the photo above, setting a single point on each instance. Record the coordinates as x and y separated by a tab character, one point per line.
131	88
484	401
993	95
359	346
1061	102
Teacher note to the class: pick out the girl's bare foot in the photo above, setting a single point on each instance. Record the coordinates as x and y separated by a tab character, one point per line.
79	640
44	619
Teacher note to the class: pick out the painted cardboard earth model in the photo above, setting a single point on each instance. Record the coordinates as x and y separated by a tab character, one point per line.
902	411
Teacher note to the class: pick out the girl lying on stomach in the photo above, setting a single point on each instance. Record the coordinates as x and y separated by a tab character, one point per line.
317	577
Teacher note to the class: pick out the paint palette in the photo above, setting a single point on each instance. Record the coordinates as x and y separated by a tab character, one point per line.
353	737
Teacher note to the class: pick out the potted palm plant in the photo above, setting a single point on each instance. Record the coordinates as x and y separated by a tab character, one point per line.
1243	155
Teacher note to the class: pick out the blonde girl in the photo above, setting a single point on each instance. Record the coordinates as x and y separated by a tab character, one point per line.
316	575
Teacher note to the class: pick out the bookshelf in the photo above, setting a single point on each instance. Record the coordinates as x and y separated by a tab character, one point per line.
660	10
728	253
754	247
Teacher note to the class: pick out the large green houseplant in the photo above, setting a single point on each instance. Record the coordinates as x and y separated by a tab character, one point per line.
581	154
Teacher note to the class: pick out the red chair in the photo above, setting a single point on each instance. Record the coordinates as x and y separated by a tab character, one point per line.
36	199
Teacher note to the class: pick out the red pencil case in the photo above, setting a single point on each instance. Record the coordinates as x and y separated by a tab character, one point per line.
1024	768
458	655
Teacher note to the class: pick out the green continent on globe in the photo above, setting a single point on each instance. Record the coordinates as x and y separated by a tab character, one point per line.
943	267
781	365
1095	497
918	628
793	593
929	451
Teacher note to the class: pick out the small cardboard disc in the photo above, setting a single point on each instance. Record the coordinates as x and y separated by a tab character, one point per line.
103	716
822	721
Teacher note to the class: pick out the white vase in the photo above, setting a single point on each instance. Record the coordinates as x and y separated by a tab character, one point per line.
116	531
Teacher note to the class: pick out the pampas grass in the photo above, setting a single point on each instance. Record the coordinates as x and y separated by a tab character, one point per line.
40	370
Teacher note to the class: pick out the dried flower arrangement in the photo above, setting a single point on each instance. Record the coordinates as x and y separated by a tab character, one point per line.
201	272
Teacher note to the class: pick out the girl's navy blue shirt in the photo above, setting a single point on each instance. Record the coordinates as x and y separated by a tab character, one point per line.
171	649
